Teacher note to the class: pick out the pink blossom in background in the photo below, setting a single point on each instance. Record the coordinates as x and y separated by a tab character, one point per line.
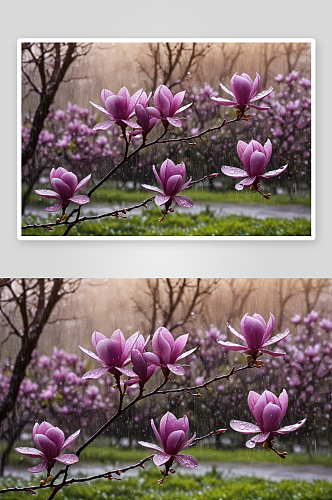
167	106
325	324
255	335
244	92
50	441
296	319
172	437
171	181
268	410
255	158
65	185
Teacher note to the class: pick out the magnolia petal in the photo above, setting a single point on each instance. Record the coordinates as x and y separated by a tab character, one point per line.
176	369
291	428
54	208
83	182
244	427
154	428
67	458
71	439
226	90
104	125
233	171
126	371
38	468
176	122
260	439
223	102
92	374
246	182
232	346
152	188
150	445
188	443
261	95
161	199
186	460
262	108
183	108
274	173
161	458
235	332
30	452
272	353
91	354
130	123
183	201
100	108
80	199
277	338
185	354
47	193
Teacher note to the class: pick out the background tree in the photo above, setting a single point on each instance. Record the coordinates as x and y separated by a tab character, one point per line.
44	66
26	306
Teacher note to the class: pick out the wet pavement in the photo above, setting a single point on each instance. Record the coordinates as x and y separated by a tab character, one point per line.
273	472
260	211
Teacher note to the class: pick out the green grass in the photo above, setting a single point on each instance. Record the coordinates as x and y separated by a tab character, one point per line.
103	195
175	224
211	486
110	455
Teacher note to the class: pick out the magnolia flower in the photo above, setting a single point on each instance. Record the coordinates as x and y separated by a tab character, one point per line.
167	351
119	108
114	353
244	92
255	335
65	185
296	319
170	180
255	158
144	120
172	438
50	441
325	324
268	411
167	105
141	367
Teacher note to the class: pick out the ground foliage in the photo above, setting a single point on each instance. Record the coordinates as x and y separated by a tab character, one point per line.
211	486
203	224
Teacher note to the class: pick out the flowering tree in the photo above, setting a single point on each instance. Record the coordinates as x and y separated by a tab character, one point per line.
120	110
164	362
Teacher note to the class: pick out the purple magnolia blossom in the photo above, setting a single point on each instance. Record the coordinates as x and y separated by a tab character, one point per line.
170	180
296	319
141	367
144	120
255	158
325	324
167	105
167	351
172	437
311	318
119	108
244	92
65	185
50	441
114	353
255	335
268	411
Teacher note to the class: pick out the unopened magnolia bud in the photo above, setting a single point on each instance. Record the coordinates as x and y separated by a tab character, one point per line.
214	175
41	483
49	478
221	431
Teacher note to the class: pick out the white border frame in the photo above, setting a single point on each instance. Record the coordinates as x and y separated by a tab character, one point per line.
312	42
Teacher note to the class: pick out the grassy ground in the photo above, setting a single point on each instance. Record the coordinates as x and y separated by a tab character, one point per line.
107	455
212	486
175	224
109	195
